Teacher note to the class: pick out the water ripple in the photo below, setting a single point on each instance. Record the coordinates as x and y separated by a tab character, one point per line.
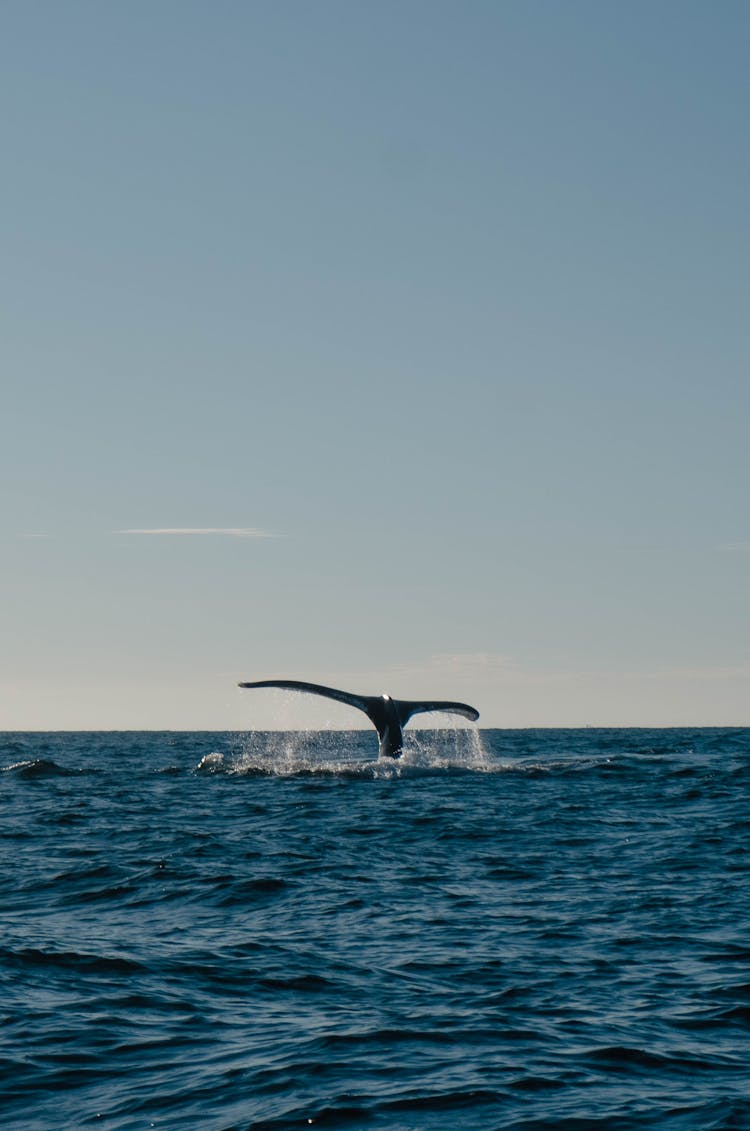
506	930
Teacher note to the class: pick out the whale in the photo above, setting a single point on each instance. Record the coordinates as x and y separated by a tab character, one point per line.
389	716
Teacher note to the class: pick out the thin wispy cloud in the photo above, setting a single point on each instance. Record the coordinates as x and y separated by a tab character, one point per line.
179	531
734	547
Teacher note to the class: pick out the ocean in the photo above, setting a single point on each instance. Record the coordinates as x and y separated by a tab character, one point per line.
522	929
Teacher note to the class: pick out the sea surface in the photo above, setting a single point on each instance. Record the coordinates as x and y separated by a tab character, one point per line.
503	930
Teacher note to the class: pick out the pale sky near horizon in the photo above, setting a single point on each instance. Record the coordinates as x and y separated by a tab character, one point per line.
400	346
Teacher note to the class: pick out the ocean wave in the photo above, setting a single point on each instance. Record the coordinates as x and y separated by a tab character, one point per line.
36	768
507	939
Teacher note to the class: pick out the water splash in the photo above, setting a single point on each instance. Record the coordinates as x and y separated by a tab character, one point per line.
213	763
292	753
448	748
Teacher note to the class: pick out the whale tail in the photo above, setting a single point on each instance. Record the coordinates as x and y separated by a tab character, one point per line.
388	716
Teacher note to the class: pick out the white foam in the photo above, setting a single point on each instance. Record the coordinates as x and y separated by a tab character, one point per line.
289	753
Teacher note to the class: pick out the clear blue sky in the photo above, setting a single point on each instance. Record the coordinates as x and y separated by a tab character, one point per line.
430	320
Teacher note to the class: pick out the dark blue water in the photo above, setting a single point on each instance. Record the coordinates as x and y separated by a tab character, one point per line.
527	929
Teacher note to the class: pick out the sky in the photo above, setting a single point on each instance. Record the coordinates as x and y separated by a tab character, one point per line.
401	346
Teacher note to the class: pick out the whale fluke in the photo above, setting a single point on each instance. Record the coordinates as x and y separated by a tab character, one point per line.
388	716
